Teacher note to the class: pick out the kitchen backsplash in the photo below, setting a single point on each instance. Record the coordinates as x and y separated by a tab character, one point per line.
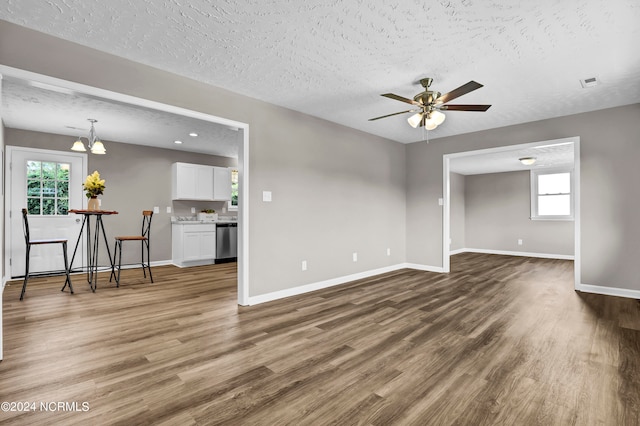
183	208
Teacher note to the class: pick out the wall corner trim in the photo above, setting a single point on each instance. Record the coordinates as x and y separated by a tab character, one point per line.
609	291
281	294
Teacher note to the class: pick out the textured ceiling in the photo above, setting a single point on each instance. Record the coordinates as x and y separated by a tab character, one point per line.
507	160
64	112
332	58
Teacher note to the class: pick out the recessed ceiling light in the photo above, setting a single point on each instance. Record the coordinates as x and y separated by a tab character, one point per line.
178	142
193	134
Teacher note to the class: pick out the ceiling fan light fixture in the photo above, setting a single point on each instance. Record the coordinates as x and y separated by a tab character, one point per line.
438	117
78	146
414	120
430	124
527	161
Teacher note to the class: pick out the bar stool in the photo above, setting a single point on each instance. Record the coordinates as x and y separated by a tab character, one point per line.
30	242
144	238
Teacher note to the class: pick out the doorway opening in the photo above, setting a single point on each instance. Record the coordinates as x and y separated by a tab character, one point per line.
242	140
477	162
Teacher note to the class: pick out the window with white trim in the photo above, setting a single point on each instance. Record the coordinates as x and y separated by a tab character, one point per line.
552	194
47	188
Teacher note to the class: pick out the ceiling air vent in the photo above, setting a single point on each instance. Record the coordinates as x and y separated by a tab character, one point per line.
589	82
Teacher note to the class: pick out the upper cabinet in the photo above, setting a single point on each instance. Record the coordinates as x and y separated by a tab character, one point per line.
221	184
199	182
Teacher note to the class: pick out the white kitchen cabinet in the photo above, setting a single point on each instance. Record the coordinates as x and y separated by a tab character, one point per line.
221	184
191	182
193	244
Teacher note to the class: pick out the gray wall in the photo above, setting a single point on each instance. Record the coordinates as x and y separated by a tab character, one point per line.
497	215
610	235
335	190
457	211
137	178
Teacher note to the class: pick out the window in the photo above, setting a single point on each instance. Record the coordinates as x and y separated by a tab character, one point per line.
47	188
552	194
233	204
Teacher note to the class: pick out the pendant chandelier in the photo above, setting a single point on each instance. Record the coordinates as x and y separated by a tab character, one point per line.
95	145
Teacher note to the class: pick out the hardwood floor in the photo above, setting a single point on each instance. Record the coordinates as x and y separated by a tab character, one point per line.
499	340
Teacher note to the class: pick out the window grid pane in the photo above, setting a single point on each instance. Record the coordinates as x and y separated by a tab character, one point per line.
557	183
554	205
47	188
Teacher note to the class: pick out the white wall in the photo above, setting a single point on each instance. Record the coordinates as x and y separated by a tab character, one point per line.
2	190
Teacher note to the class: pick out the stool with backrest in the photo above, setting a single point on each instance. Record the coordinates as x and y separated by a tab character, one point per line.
144	239
29	242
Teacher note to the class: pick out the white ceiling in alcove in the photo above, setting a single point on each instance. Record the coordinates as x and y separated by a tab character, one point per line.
50	109
560	155
333	58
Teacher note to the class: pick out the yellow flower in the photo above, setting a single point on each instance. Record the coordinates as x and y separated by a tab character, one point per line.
93	185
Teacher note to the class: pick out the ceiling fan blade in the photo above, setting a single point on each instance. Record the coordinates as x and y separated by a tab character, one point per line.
401	99
395	113
455	93
465	107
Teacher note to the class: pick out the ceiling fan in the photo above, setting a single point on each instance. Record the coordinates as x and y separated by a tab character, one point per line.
429	104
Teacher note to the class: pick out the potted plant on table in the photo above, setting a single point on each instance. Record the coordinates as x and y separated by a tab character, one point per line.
93	187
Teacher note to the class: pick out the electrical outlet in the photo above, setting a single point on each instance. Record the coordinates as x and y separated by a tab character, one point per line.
193	209
355	256
156	209
388	252
304	265
168	209
519	242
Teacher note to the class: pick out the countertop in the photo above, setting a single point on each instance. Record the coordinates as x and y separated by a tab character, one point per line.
200	222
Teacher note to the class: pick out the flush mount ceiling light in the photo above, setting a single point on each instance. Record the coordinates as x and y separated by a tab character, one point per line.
177	142
527	161
193	134
95	146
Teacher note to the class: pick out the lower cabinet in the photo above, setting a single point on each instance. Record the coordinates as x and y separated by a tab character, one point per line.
193	244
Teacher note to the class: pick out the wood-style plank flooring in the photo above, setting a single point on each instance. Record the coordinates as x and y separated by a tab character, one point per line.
499	340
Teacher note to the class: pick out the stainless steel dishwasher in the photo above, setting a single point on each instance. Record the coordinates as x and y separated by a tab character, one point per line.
226	241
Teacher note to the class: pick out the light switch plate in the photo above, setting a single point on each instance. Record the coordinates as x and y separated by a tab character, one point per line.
156	209
266	196
168	209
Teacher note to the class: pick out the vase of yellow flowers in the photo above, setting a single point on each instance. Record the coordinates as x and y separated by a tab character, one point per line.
93	186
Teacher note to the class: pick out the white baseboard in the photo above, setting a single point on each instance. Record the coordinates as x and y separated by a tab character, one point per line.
417	266
514	253
263	298
609	291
